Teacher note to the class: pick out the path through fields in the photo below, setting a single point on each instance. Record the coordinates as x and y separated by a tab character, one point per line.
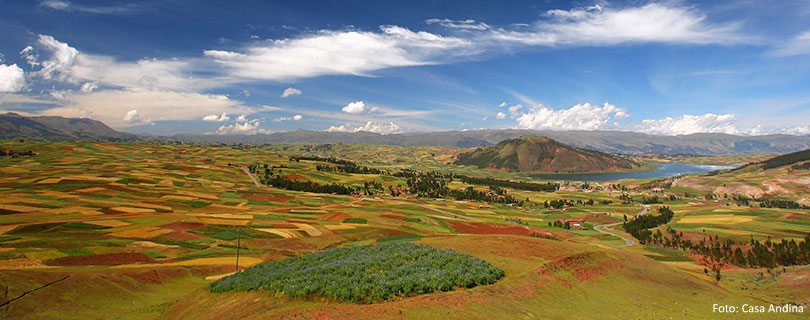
627	241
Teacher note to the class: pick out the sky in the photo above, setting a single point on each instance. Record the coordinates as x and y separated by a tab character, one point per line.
245	67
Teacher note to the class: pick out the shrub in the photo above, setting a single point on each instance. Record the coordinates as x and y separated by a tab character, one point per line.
365	274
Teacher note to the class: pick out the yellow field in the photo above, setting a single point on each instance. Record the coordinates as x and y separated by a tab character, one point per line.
716	219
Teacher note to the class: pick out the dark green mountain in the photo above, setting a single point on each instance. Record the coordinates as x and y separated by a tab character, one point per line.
536	154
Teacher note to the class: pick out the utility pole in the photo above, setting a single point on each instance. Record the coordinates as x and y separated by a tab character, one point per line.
238	240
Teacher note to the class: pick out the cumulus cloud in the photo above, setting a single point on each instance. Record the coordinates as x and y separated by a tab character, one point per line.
370	126
290	92
134	118
296	117
513	110
798	45
12	78
337	52
356	107
500	116
579	117
688	124
245	128
503	104
108	105
217	118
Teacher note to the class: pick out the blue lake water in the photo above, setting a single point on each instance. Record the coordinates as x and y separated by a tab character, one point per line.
670	169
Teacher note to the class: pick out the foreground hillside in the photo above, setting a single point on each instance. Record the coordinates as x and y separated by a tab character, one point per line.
538	154
140	230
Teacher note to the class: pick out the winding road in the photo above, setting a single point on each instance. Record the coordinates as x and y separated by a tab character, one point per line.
627	241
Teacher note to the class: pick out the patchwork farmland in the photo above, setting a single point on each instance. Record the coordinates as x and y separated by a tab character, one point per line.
141	230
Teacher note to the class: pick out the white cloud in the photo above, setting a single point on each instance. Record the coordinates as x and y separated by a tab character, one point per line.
500	116
12	78
485	118
108	105
579	117
69	65
798	45
513	110
296	117
503	104
62	58
653	22
133	117
241	118
370	126
337	52
68	6
688	124
88	87
356	107
30	56
248	127
290	92
459	24
215	118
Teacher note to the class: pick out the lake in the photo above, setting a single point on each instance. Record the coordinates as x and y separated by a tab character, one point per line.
670	169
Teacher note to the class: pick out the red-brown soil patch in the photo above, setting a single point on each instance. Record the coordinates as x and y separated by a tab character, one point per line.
336	217
302	221
183	226
263	197
183	236
392	216
284	226
485	228
101	259
585	266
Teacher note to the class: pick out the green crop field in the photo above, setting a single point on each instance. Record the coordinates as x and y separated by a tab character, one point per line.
152	230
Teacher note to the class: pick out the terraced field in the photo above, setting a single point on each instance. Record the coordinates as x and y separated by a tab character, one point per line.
138	230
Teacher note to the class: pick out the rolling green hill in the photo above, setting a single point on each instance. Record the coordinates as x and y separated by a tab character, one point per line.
532	154
15	126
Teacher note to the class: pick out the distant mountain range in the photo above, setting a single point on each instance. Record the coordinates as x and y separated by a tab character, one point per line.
14	126
537	154
605	141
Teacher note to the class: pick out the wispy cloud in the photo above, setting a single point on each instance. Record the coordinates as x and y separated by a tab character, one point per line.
68	6
798	45
337	53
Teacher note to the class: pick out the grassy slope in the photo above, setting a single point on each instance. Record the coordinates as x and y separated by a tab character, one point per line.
545	278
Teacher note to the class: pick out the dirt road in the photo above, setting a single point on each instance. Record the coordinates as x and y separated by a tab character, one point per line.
627	241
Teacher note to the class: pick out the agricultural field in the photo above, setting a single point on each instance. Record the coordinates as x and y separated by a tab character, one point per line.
151	230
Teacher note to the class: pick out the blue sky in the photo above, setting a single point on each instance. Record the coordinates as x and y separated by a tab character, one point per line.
244	67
